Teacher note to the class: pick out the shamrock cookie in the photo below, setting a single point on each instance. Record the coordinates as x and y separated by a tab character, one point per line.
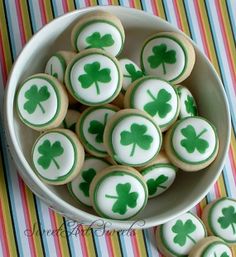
132	138
41	102
90	128
169	56
79	186
192	143
57	156
178	236
220	219
187	103
99	30
131	72
94	77
156	97
211	247
118	192
70	120
56	65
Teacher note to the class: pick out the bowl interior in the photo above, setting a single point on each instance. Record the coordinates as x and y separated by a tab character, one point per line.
189	188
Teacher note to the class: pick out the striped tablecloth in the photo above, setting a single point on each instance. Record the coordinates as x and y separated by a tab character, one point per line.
210	23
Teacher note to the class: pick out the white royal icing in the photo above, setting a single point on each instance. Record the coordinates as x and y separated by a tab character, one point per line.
77	184
202	127
185	96
55	67
172	70
122	152
103	28
70	120
107	187
161	171
170	239
90	95
62	164
127	76
50	105
147	91
217	249
228	233
98	114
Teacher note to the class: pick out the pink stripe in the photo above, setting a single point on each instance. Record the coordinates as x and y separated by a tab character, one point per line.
131	4
226	44
55	237
135	244
154	8
42	11
109	245
87	2
3	235
26	215
198	209
217	191
177	15
65	6
83	243
20	22
3	63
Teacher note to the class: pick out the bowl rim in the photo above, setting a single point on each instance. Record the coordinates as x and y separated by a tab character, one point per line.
60	204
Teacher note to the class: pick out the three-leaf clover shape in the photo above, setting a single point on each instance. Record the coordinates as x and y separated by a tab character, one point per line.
35	96
133	73
49	152
183	231
124	198
153	184
161	56
88	176
93	75
159	104
136	136
190	105
97	41
193	141
97	128
228	218
224	254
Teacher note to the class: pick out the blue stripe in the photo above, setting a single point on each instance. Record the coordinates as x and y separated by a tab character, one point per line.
97	246
54	6
144	5
147	240
191	26
166	7
71	244
122	245
232	16
31	11
79	4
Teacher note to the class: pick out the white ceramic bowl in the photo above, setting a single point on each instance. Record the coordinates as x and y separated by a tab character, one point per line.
204	83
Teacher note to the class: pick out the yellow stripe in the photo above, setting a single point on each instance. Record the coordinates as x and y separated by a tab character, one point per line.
209	38
26	19
233	144
229	34
48	10
115	244
183	17
203	203
137	4
160	8
5	39
71	6
93	3
115	2
6	213
221	186
89	243
140	243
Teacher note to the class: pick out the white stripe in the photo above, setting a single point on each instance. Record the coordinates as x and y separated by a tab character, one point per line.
128	244
59	7
147	4
36	14
171	12
80	4
101	239
153	243
229	181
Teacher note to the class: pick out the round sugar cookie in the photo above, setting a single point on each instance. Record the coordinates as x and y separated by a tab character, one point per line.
94	77
168	55
211	247
57	156
90	128
159	175
131	72
72	117
220	219
188	105
156	97
99	29
41	102
118	192
56	65
192	143
178	236
79	186
132	138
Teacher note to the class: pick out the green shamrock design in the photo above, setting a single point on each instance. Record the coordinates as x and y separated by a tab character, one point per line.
159	104
54	74
66	126
161	56
97	128
153	184
94	75
183	231
193	141
97	41
133	73
228	218
224	254
49	153
190	105
123	198
35	97
88	176
136	136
